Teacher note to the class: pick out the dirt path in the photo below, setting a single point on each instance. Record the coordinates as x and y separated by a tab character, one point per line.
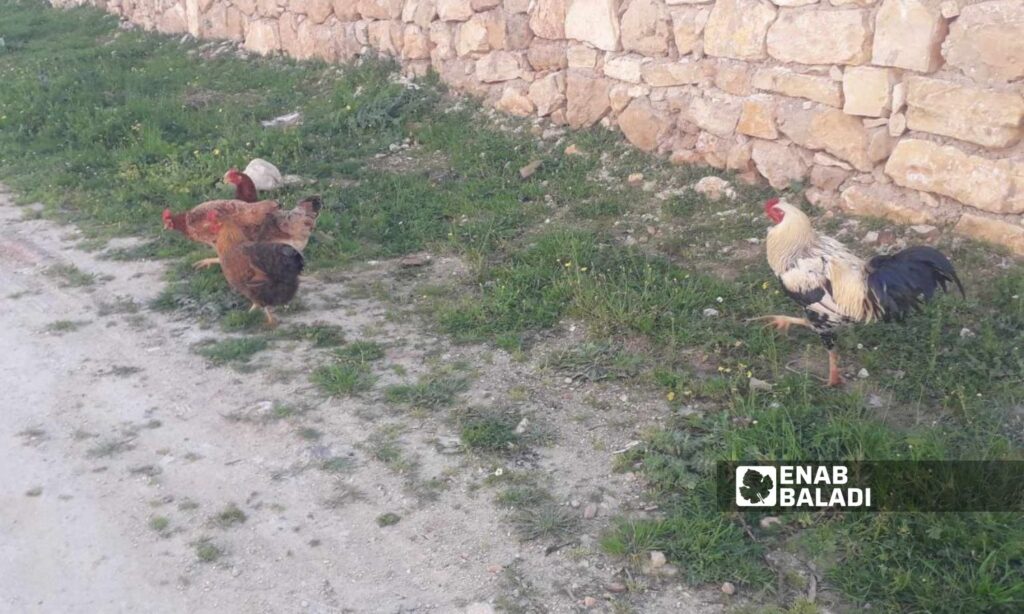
112	422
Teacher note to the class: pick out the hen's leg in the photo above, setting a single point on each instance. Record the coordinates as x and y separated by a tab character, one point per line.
253	308
271	320
781	323
205	262
835	378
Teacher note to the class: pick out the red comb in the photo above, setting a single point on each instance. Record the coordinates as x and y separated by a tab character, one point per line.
771	202
211	216
167	214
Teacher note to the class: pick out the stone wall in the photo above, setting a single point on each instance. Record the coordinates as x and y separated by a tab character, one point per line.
905	109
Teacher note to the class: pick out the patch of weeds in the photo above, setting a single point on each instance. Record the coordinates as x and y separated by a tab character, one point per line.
207	551
344	379
64	326
238	320
120	371
352	373
202	294
388	519
239	350
71	276
524	495
149	471
309	433
361	351
342	494
546	521
595	361
160	524
121	304
229	516
319	334
338	464
384	446
517	594
281	411
431	392
109	448
489	431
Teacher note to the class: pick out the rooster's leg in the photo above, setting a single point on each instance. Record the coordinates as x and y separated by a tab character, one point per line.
781	323
835	378
253	308
271	320
205	262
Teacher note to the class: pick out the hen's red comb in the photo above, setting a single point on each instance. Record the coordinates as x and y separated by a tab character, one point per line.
167	215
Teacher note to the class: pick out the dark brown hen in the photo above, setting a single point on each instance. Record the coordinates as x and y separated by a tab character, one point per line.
265	273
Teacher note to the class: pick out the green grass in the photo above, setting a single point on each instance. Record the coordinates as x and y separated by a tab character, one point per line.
546	521
343	379
207	551
230	516
388	519
237	350
160	524
352	372
64	326
71	276
490	432
318	334
106	135
361	351
431	392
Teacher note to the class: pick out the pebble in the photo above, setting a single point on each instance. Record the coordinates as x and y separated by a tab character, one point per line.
657	559
966	333
769	521
870	238
714	188
728	588
527	171
875	401
615	587
757	384
635	178
568	380
573	150
863	373
522	426
590	511
711	313
589	602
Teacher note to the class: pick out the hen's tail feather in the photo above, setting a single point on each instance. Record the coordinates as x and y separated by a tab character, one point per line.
311	206
900	282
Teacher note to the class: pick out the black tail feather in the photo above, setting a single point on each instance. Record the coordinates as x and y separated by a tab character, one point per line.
313	204
899	283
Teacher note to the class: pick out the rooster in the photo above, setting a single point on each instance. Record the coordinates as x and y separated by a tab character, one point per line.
837	288
261	221
265	273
